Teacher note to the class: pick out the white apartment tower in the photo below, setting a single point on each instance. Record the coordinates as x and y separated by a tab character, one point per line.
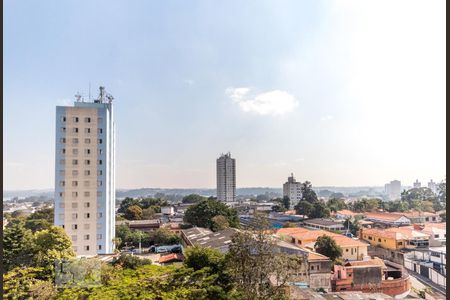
393	189
417	184
226	178
292	189
432	186
85	174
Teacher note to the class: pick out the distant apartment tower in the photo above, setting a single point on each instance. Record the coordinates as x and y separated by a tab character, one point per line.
393	189
226	178
417	184
85	174
292	189
432	186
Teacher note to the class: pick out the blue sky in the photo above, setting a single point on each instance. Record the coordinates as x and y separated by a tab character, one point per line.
341	93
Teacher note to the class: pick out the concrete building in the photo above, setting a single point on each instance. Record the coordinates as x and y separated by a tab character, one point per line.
393	189
292	189
85	174
432	186
417	184
226	178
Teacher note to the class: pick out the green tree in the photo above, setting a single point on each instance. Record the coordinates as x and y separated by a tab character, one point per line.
336	204
24	283
304	208
442	191
131	261
327	246
193	198
220	223
148	213
198	257
50	245
422	194
164	236
134	212
289	225
202	214
320	210
286	202
17	245
37	224
308	194
43	214
127	202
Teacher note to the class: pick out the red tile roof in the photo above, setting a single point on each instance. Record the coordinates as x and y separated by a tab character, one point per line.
171	257
383	216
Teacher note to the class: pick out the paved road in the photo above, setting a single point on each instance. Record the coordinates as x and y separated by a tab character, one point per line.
427	282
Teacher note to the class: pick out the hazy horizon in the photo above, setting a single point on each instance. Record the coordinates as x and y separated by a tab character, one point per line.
339	93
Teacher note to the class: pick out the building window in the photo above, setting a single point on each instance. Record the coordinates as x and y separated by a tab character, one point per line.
400	243
63	119
99	194
86	237
86	226
74	183
75	141
99	236
74	172
74	205
87	141
100	215
74	226
87	204
87	172
100	141
99	172
63	140
87	130
74	194
99	183
61	194
62	183
74	238
100	161
86	248
346	250
312	267
100	151
379	240
100	120
87	215
76	119
63	129
370	238
100	130
74	216
87	162
436	236
61	172
99	247
62	162
61	216
86	183
63	150
74	161
75	130
87	120
87	151
75	151
99	226
87	194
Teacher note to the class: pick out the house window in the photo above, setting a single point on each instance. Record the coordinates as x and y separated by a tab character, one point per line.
379	240
86	248
100	141
87	120
76	119
370	238
87	162
312	267
87	151
87	204
87	130
75	130
99	247
74	226
87	215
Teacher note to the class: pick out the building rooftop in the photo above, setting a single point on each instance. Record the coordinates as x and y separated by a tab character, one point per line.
370	262
171	257
384	216
420	214
322	222
347	212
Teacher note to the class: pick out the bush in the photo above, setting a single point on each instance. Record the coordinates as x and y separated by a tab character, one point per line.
128	261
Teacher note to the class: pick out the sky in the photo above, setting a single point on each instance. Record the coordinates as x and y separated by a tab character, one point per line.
341	93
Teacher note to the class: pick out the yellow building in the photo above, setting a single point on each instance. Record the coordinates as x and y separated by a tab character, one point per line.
395	238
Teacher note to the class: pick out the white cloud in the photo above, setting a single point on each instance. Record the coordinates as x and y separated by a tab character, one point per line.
275	102
326	118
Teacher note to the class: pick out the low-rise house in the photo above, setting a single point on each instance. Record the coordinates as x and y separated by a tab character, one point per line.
422	217
395	238
436	231
353	249
171	258
167	210
345	214
387	219
144	225
374	275
325	224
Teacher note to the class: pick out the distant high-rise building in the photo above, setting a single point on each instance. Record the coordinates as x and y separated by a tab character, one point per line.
226	178
432	186
393	189
292	189
85	174
417	184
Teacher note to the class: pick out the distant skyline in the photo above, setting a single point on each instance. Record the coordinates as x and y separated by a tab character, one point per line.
341	93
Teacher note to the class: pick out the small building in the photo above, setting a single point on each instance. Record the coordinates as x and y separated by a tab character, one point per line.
422	217
167	210
171	258
144	225
387	219
374	275
219	240
345	214
436	231
395	238
325	224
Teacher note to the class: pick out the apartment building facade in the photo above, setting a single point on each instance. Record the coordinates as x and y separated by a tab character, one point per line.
292	189
226	178
85	174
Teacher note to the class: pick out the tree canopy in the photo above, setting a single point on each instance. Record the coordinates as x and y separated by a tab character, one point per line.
202	214
327	246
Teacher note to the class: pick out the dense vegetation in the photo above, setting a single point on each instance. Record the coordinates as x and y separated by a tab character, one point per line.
141	208
310	205
206	214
